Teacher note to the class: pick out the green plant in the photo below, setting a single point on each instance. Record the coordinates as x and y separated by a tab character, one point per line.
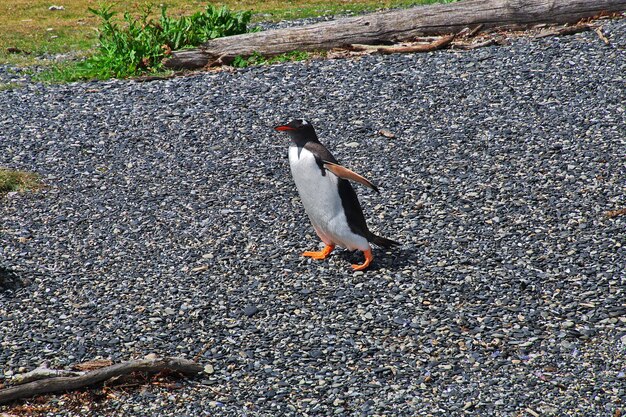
258	59
17	181
141	43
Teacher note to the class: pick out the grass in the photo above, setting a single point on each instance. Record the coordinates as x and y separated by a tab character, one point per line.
18	181
303	9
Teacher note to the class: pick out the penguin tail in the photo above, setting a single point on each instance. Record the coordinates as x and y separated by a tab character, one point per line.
382	241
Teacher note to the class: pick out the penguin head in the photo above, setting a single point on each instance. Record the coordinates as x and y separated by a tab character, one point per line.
300	131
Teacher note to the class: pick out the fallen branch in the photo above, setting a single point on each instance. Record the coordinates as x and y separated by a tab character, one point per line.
69	383
404	49
567	30
393	26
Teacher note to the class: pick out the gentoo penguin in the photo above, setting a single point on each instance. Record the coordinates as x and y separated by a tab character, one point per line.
328	197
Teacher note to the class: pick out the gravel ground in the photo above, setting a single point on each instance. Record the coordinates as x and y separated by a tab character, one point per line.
171	225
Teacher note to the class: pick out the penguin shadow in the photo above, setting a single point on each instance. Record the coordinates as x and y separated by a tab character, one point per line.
390	259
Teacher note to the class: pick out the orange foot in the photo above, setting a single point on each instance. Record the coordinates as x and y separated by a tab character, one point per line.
368	260
323	254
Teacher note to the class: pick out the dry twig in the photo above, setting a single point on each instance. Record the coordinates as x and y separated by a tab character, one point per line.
598	31
202	351
474	31
93	364
615	213
566	30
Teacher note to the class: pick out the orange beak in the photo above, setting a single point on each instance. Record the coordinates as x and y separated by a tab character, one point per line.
283	128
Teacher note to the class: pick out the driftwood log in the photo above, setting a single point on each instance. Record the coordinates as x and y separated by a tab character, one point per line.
393	26
69	383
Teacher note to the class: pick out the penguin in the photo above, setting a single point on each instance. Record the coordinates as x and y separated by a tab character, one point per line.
327	195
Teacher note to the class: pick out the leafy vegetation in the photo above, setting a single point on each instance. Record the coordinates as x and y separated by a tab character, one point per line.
17	181
258	59
139	45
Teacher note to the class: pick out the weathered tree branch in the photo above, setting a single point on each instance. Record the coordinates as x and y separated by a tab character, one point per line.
69	383
394	26
399	49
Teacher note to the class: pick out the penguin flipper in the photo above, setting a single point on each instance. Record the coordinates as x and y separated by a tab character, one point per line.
345	173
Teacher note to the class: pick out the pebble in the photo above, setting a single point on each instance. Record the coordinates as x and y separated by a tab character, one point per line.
250	310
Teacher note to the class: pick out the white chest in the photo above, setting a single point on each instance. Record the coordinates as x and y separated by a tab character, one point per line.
318	192
320	197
